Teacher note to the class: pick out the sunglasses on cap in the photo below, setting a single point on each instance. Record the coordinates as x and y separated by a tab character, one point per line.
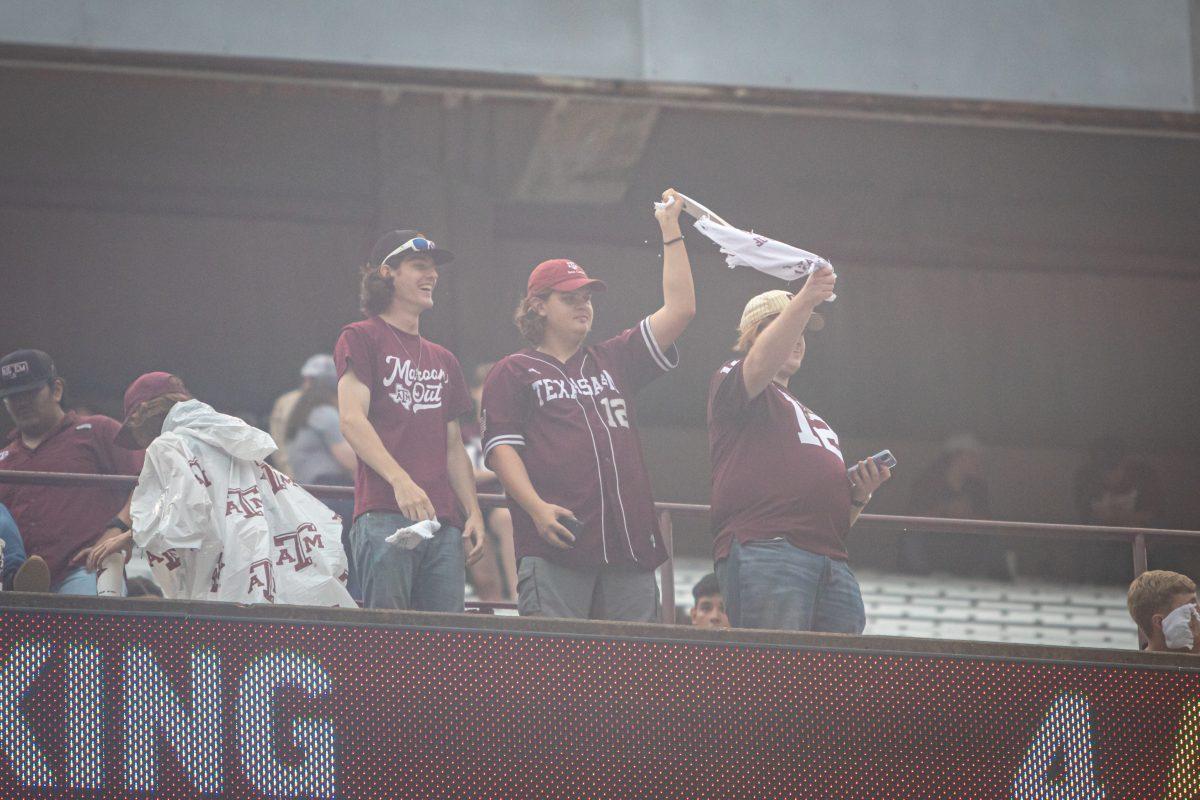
417	244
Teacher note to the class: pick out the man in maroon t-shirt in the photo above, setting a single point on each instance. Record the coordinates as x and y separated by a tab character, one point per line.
560	431
781	501
60	524
399	399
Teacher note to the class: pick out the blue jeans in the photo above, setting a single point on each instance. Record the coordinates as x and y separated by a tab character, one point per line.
77	581
774	584
430	577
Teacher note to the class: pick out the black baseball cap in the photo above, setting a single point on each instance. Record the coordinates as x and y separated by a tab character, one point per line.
394	245
22	370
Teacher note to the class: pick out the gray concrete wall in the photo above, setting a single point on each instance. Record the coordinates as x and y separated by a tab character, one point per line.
1105	53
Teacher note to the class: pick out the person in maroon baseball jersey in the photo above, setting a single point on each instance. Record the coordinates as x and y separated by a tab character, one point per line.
560	430
399	400
781	501
60	525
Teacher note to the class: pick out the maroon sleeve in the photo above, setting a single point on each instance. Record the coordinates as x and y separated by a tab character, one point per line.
506	408
115	460
638	355
353	349
727	398
458	398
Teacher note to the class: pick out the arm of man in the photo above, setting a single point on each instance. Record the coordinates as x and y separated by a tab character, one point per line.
113	540
773	346
462	481
507	463
354	401
679	292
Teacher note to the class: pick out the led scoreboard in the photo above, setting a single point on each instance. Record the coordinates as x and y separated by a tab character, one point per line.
145	700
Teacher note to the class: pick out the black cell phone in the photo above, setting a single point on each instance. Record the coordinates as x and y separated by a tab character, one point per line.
571	524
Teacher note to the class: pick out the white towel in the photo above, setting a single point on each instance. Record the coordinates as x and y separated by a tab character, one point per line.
413	535
749	249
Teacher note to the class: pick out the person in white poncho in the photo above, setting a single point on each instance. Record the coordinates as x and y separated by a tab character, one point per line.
217	522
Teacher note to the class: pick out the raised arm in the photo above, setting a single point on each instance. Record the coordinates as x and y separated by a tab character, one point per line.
354	401
776	342
679	293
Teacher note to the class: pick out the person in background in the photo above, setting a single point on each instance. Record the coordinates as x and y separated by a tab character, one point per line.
1117	488
494	575
708	607
782	499
954	487
282	410
12	554
1163	604
560	430
316	449
400	397
60	524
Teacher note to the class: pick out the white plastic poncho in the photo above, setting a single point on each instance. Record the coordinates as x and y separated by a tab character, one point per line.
218	523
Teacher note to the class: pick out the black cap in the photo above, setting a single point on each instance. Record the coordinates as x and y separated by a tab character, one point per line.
23	370
391	240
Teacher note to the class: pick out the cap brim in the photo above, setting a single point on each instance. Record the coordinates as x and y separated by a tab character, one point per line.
572	284
124	437
9	391
440	256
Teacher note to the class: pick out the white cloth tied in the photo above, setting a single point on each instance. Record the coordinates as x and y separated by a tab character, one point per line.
414	534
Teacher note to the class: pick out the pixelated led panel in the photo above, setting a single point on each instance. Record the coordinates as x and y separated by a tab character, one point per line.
155	706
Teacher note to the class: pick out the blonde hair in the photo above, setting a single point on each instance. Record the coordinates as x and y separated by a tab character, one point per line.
1152	592
746	338
530	323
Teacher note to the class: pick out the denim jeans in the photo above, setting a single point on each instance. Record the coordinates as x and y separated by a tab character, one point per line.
430	577
77	581
774	584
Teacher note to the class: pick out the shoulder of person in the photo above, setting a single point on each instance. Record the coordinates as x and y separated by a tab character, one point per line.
442	352
364	327
97	424
323	415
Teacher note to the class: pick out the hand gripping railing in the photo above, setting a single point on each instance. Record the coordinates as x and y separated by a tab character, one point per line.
1136	537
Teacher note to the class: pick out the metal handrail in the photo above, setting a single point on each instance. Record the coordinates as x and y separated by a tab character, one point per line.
1135	536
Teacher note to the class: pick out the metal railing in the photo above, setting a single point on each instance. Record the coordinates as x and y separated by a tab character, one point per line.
1136	537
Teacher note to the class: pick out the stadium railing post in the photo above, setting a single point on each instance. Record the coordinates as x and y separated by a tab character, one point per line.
666	610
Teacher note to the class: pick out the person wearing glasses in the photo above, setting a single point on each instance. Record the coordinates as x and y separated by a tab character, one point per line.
417	520
560	431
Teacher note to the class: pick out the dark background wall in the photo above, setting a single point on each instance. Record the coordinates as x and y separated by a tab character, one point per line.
1035	287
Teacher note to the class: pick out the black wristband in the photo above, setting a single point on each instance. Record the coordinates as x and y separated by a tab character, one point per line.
860	504
678	238
117	522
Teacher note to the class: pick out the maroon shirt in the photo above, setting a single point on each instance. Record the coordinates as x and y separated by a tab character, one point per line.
417	389
777	469
58	522
575	428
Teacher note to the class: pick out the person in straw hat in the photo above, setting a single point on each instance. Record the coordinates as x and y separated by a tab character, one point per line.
782	503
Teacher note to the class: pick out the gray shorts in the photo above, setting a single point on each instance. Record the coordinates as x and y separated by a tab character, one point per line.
618	592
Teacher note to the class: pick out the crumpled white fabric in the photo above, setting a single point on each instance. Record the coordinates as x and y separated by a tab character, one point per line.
414	534
1177	629
749	249
218	523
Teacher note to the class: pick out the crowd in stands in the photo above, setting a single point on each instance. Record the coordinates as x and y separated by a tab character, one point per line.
221	514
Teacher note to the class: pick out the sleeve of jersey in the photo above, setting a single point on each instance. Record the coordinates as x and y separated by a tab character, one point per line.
728	398
641	358
458	400
504	410
352	350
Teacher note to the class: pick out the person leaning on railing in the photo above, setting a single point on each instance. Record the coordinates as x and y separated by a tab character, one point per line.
781	502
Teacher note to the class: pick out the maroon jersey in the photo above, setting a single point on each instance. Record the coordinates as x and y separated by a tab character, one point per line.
417	389
575	428
777	469
57	522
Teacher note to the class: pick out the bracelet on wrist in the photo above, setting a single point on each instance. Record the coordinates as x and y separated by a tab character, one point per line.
678	238
860	503
118	523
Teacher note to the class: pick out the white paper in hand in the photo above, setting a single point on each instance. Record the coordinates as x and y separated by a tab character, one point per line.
413	535
749	249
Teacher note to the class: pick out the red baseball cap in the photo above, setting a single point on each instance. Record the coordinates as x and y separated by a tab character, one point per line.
147	387
559	274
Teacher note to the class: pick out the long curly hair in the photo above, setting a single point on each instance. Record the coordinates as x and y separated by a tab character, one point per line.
530	323
375	290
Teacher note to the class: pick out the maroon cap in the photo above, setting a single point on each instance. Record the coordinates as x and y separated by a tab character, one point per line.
559	274
147	387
